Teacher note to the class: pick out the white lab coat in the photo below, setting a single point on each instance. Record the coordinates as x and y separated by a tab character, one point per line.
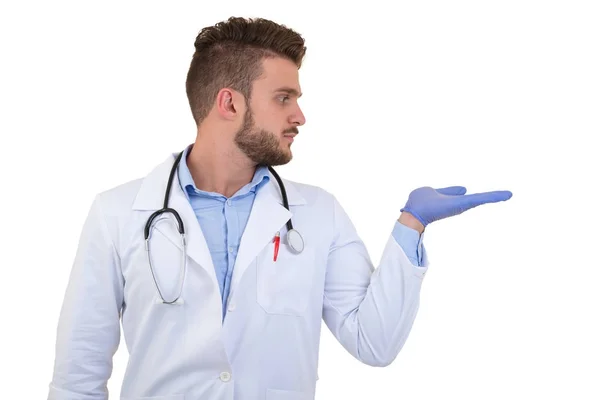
267	347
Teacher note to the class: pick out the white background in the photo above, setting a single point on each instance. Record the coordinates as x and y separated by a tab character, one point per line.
488	95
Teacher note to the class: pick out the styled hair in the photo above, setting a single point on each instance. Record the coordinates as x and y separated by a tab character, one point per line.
230	55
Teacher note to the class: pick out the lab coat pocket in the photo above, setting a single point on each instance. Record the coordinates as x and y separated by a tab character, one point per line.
284	286
172	397
276	394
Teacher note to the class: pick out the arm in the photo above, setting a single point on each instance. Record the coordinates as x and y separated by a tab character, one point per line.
369	311
88	331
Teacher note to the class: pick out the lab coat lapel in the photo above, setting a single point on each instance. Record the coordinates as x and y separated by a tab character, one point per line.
151	197
268	216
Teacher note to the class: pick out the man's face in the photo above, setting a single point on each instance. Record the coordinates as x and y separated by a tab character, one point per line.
273	115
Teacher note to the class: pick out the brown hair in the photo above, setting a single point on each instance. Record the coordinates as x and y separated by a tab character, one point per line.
230	54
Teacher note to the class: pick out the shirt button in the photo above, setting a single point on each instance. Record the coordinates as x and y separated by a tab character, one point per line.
230	249
228	202
225	376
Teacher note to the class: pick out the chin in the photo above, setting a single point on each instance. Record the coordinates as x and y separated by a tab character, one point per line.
284	158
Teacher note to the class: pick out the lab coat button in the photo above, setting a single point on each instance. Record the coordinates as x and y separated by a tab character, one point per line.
225	376
231	307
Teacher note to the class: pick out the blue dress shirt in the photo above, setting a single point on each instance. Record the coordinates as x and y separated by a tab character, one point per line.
223	221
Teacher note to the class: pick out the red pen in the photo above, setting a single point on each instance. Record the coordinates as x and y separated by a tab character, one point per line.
276	250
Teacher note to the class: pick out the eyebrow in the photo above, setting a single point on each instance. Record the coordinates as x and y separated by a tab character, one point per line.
289	90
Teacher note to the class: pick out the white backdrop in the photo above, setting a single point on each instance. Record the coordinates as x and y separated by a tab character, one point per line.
488	95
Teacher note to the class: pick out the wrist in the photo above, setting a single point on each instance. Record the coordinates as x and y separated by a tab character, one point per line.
410	221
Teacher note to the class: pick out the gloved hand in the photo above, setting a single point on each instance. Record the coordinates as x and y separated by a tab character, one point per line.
428	204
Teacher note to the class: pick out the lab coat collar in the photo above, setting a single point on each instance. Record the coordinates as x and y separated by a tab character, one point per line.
152	191
261	175
268	216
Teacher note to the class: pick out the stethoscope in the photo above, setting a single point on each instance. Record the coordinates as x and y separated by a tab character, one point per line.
294	238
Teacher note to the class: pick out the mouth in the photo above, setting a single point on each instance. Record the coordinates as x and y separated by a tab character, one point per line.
290	138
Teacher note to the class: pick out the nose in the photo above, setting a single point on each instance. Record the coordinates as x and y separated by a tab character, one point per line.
298	118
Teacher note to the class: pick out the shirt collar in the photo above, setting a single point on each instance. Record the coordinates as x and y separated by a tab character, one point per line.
260	178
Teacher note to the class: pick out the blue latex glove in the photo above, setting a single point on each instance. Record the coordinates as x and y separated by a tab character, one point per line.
428	204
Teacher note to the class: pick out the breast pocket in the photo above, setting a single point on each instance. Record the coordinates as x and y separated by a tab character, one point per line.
284	286
174	397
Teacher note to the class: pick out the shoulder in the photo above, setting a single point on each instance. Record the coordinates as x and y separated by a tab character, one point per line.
313	195
119	198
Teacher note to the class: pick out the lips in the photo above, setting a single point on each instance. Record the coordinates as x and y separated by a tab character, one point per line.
290	137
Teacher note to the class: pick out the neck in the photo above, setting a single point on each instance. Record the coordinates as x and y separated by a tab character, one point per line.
219	166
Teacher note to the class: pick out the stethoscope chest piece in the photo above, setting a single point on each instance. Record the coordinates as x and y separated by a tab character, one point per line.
295	241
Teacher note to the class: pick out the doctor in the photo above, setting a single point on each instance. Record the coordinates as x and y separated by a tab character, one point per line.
223	304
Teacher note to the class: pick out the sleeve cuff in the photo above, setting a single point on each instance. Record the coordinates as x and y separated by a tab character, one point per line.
411	242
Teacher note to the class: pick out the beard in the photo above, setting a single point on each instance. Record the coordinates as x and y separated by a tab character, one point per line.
261	146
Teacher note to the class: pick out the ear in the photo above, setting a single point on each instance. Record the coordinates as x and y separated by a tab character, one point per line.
230	103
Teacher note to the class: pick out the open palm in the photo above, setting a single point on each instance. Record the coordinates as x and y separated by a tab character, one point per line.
428	204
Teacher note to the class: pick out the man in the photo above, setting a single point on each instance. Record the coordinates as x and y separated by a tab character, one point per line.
222	305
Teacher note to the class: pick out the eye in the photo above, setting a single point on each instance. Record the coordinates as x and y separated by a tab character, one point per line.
283	99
